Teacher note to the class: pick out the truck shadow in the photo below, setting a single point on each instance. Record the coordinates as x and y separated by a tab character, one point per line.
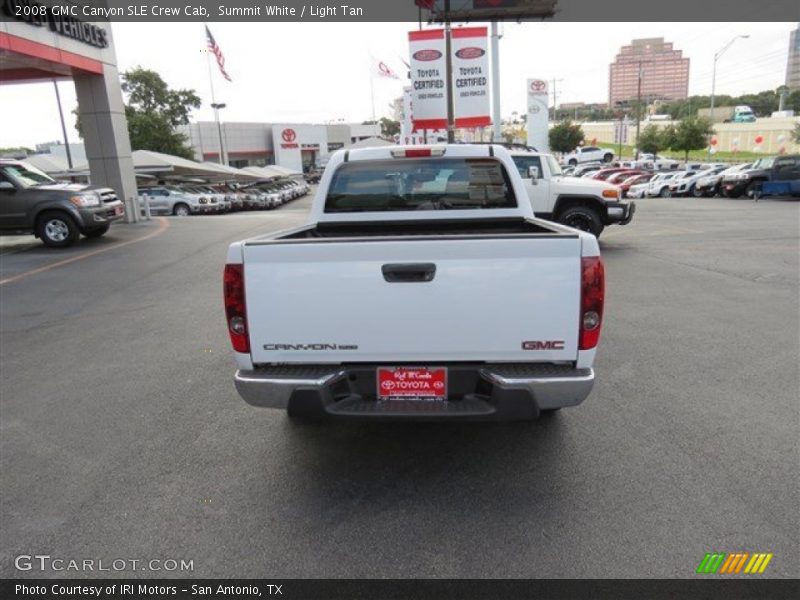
380	463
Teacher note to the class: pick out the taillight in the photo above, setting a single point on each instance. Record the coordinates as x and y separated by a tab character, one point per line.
592	296
235	311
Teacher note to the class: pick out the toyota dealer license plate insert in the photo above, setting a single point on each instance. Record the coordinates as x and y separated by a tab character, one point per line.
412	383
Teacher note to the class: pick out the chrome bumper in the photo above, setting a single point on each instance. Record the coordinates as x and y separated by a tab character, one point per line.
538	386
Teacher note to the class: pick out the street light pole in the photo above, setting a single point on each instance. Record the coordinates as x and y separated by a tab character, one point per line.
638	109
217	106
714	77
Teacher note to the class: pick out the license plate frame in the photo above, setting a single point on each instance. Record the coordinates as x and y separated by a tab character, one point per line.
412	383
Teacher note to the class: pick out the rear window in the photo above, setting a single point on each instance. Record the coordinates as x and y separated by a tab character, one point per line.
420	184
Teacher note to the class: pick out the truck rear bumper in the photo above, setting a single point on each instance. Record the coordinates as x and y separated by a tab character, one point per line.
477	391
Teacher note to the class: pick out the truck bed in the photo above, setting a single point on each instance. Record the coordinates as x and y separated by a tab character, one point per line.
456	228
434	292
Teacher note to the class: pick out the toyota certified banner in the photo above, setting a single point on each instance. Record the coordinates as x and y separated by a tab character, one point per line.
471	77
428	89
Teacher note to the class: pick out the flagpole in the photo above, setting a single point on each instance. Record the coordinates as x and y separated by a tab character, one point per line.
372	93
214	106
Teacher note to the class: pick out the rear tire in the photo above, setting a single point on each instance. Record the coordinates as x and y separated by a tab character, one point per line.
573	162
583	218
607	158
96	233
695	192
57	229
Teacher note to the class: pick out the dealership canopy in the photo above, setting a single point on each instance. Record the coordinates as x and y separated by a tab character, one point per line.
147	161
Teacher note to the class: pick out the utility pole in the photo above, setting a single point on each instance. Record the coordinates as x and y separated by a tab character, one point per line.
714	79
555	95
638	109
448	51
217	106
497	126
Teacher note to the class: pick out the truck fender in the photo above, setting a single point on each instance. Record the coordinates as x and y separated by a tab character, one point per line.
49	206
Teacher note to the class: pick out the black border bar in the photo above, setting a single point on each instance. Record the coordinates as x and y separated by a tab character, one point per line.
321	11
710	587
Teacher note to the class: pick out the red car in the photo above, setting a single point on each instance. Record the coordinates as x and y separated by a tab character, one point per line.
618	178
604	174
633	180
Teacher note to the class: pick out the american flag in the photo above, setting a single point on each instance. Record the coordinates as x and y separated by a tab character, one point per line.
212	45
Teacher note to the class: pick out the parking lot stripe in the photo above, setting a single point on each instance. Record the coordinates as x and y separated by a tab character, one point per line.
162	227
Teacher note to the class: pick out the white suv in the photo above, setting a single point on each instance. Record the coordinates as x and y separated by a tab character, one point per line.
587	154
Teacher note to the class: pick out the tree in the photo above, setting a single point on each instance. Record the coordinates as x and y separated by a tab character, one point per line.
154	112
16	151
651	140
565	136
389	127
692	133
796	134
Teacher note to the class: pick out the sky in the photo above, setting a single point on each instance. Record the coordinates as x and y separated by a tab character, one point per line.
320	72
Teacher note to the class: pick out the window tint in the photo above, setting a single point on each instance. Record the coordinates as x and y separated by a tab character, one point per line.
523	162
420	184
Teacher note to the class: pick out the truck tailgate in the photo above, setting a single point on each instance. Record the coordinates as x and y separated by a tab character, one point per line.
329	301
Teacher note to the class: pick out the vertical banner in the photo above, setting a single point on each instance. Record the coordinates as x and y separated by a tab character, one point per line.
471	77
538	115
428	91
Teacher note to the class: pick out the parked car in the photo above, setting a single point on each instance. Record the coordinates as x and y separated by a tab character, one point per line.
773	168
687	184
619	177
175	201
543	284
638	190
639	182
659	185
586	204
586	154
604	174
216	199
55	212
710	185
582	170
656	162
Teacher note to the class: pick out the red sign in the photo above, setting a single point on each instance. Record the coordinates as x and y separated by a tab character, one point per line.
289	135
468	53
412	382
426	55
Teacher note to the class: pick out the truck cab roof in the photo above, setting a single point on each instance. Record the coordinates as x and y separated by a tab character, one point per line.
430	182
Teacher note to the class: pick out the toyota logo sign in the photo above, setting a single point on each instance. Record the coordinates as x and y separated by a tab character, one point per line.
426	55
538	86
289	135
469	53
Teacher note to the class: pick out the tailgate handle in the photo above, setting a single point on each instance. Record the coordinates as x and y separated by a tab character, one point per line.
408	273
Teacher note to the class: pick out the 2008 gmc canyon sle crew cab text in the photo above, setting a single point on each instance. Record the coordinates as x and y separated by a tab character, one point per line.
423	287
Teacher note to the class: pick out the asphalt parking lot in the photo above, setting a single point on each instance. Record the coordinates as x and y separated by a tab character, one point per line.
121	435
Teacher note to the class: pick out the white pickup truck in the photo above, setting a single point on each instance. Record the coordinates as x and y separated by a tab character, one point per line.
583	203
422	288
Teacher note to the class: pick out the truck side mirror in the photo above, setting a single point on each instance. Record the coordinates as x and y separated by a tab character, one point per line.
533	173
7	186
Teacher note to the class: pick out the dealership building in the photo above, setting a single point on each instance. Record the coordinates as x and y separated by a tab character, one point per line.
63	47
297	146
